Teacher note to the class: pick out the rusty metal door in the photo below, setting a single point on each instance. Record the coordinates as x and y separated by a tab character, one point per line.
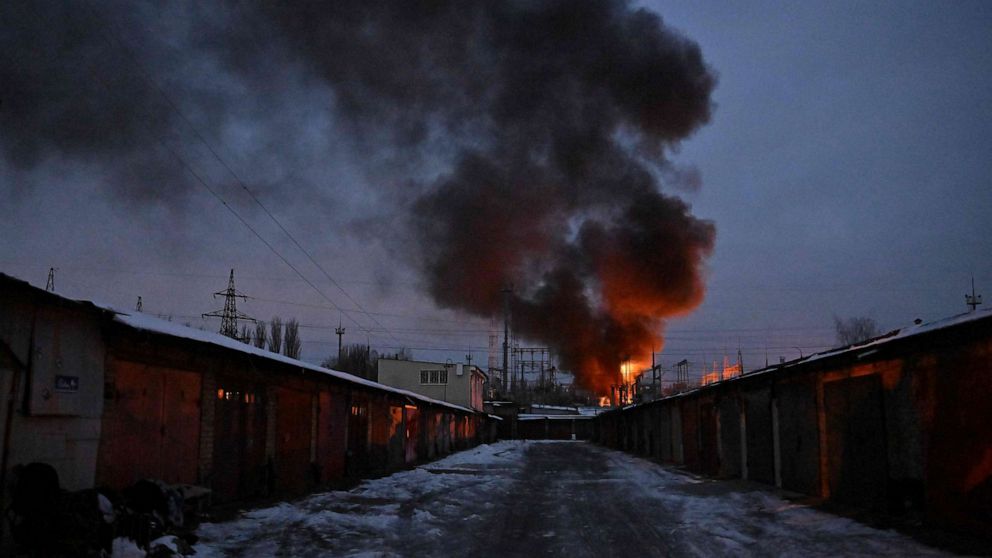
180	427
239	467
151	428
358	436
293	473
857	451
690	436
331	440
412	432
708	456
397	436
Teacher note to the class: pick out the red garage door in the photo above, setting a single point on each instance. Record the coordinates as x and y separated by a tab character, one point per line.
151	426
331	435
293	473
239	464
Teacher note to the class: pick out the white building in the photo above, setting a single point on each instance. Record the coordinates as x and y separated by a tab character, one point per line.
461	384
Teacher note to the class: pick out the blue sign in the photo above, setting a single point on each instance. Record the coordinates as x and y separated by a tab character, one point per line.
67	383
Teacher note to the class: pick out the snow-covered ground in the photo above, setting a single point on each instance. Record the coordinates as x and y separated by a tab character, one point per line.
519	498
387	516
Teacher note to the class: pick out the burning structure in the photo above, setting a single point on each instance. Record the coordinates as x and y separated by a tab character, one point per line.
585	102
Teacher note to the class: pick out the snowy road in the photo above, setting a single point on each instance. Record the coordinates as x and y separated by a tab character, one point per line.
547	499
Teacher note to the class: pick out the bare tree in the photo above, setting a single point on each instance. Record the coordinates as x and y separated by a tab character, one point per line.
261	335
855	330
356	360
401	354
245	335
291	344
275	335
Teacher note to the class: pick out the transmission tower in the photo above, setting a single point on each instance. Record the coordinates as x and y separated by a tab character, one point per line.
682	373
229	316
50	285
137	307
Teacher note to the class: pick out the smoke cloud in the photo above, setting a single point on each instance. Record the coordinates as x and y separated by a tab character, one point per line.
539	133
561	114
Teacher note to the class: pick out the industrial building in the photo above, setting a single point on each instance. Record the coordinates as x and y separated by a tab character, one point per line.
461	384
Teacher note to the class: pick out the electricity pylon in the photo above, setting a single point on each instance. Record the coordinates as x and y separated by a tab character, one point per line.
229	316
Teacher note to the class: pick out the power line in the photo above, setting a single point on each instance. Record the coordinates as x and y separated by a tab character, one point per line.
203	182
223	202
237	178
254	278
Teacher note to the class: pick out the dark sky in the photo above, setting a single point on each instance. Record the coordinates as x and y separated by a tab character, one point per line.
846	167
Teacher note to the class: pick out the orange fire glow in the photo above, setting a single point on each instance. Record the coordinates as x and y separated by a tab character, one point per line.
729	371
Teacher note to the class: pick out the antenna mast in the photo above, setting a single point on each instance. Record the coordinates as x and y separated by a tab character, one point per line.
973	300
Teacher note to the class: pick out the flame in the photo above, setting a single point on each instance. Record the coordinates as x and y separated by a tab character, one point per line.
624	389
727	372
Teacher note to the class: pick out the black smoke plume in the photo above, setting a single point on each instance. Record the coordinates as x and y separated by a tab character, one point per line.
541	128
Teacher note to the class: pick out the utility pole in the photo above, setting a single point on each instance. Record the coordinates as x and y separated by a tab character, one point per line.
973	300
137	307
229	316
655	379
506	335
468	358
50	284
492	356
339	331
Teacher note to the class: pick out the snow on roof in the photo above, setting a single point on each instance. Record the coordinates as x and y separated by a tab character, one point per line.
894	335
592	411
553	407
146	322
533	416
868	347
